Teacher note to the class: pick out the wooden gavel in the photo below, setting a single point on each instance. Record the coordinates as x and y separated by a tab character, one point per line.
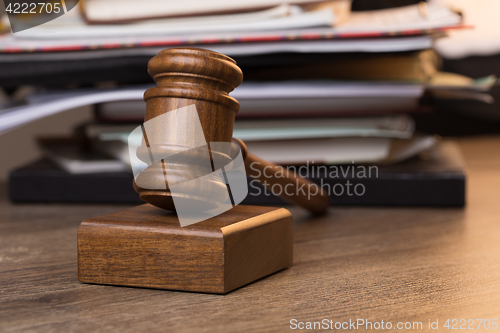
203	78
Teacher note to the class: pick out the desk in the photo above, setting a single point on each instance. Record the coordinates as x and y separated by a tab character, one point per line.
391	264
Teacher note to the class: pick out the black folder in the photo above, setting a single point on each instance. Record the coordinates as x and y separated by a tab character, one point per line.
439	181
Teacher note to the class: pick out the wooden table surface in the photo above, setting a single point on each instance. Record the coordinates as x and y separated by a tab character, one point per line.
391	264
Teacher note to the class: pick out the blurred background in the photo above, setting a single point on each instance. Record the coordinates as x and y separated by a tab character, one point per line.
382	82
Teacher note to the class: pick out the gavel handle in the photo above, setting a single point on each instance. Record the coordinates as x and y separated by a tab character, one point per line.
293	188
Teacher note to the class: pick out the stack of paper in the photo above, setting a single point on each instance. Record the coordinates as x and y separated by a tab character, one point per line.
283	28
322	84
328	141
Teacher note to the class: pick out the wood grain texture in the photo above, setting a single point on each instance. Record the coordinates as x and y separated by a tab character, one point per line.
145	246
395	264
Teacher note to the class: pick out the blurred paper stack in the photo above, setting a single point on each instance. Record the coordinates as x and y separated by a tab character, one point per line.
323	86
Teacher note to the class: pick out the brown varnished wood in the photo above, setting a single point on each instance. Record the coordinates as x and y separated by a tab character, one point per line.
312	197
145	246
187	76
190	76
395	264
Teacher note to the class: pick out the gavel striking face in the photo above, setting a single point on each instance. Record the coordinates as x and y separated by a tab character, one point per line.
188	77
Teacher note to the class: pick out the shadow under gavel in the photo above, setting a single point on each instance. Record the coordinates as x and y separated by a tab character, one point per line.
190	109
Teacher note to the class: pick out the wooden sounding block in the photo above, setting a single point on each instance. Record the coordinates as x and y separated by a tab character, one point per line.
145	246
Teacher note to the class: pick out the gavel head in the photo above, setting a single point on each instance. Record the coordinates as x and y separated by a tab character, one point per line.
188	110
